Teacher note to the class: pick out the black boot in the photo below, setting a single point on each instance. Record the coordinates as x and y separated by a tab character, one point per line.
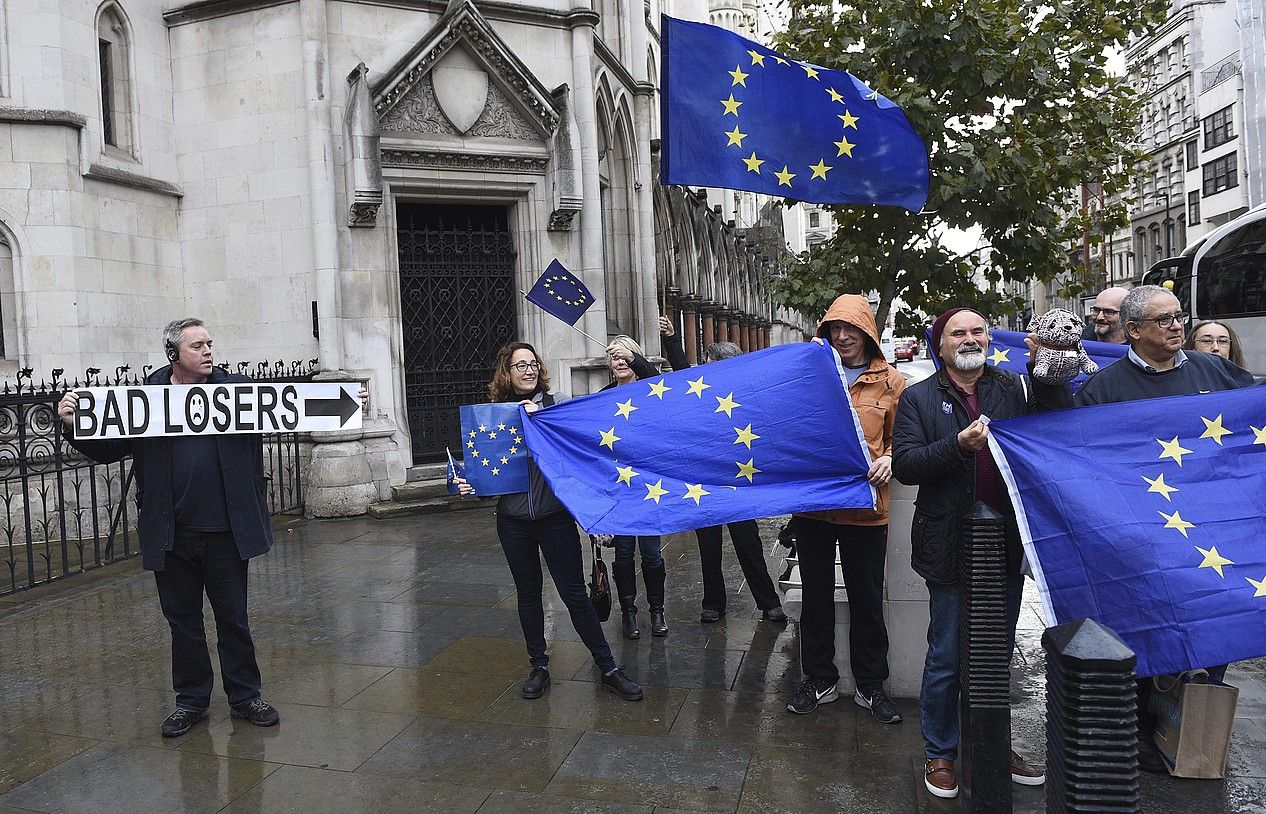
654	578
626	589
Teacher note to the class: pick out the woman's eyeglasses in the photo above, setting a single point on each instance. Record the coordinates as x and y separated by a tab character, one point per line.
524	367
1210	341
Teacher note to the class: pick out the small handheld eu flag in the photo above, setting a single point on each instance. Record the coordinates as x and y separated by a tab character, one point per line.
561	294
496	455
741	116
455	470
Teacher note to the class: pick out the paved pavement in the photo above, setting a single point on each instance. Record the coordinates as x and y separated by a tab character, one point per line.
393	651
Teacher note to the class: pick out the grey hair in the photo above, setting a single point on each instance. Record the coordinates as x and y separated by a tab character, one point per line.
1134	306
721	350
629	344
175	329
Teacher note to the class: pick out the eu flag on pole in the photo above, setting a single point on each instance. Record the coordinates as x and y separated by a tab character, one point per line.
1008	351
739	115
560	294
765	433
492	443
1148	517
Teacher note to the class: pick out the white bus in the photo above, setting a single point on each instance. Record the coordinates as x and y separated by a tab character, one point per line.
1223	276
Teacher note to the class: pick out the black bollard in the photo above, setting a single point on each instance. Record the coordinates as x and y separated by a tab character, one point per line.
984	666
1091	734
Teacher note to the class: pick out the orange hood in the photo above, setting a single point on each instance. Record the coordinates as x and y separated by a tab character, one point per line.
855	310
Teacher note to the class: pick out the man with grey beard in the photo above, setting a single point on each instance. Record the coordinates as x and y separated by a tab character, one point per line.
940	445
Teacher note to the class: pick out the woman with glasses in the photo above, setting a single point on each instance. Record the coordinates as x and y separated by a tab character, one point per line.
1217	338
535	524
628	363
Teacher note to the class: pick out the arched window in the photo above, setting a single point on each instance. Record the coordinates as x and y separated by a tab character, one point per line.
115	78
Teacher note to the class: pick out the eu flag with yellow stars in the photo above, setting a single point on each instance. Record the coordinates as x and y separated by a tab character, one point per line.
560	293
739	115
1008	351
762	434
1148	517
496	459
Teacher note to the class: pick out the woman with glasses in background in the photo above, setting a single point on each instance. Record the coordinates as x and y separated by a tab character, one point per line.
535	524
1217	338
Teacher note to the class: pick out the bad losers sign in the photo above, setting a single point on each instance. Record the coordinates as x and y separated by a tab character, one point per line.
213	409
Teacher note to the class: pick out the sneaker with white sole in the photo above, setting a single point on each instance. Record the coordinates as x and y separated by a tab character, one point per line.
813	691
881	707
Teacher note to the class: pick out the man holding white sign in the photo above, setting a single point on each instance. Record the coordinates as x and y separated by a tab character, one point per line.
203	513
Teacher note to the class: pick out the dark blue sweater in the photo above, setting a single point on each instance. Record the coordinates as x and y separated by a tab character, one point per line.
1123	380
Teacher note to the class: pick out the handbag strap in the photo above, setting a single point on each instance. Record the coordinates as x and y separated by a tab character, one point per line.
597	549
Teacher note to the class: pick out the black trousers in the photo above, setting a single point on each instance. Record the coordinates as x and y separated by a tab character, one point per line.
207	562
751	556
862	550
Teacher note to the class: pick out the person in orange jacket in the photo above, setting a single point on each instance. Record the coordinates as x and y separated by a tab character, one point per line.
860	535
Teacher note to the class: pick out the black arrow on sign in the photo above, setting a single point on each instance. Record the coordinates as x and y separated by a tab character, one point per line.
344	407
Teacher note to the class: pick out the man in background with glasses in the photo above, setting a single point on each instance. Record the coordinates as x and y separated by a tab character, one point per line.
1104	324
1155	366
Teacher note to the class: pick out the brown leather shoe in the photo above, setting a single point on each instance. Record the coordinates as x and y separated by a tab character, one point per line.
938	776
1023	773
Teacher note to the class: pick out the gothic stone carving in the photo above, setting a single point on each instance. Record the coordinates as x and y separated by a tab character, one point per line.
418	111
441	159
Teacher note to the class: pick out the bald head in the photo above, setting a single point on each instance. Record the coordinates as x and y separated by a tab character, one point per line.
1105	315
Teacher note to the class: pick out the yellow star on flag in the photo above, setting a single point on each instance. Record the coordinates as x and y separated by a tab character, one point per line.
809	72
474	453
779	60
695	491
757	58
505	460
784	177
496	470
753	163
626	475
492	435
1175	521
472	433
849	120
745	436
608	439
739	77
1160	486
513	449
501	426
736	137
1259	584
482	428
696	387
470	444
999	355
624	408
485	461
846	147
656	490
1214	429
1214	560
820	169
726	405
658	389
1259	435
731	106
514	430
835	95
747	470
1173	449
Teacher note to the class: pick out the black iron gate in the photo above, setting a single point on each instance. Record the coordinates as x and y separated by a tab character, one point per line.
457	305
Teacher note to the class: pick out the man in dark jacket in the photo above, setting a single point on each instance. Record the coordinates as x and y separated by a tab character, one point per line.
1155	366
940	444
202	515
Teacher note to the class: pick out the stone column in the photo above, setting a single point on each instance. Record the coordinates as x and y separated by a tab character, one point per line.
766	339
690	328
722	321
582	21
708	310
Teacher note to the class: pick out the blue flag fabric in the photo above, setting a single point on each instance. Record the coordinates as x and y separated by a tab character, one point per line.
492	443
452	472
740	116
560	293
1148	517
1008	351
762	434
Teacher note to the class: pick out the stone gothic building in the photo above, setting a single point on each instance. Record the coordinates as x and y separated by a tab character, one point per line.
370	185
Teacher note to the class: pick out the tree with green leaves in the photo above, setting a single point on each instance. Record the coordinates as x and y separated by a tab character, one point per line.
1018	108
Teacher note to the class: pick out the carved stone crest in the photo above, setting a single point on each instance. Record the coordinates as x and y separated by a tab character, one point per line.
461	88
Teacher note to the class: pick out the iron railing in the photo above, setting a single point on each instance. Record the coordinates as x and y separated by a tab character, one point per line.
62	513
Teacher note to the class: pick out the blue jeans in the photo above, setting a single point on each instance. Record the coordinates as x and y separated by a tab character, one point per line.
938	698
555	538
652	556
207	562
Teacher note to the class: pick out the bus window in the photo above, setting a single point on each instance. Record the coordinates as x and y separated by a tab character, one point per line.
1176	270
1232	277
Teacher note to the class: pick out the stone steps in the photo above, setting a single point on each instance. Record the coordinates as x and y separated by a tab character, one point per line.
425	491
435	505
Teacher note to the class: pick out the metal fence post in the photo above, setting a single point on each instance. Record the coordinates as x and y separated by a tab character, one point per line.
984	663
1091	737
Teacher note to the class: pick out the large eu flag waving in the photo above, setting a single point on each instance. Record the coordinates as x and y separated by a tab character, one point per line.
1148	517
762	434
740	116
